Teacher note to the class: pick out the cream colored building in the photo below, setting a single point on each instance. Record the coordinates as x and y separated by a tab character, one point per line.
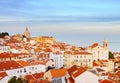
45	39
84	59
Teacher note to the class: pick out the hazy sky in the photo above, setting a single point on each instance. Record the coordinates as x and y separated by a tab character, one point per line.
78	22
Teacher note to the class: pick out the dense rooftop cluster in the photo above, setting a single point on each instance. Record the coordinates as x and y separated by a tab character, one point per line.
42	59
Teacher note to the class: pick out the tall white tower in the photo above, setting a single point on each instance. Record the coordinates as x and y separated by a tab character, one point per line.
105	43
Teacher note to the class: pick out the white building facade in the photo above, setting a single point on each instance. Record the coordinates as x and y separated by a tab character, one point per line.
58	59
99	52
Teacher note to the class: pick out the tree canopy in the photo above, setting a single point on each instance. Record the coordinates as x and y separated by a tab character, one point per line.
14	79
111	56
3	34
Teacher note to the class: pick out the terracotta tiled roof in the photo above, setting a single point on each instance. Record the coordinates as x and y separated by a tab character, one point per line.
8	55
104	61
48	50
43	81
107	81
8	65
71	80
95	64
38	75
67	52
80	71
39	62
81	53
2	75
29	77
23	63
94	45
58	72
98	63
72	69
118	73
81	48
32	80
35	78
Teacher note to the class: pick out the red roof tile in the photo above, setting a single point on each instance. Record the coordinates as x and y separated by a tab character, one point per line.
94	45
8	55
8	65
72	69
80	71
29	77
118	73
38	75
2	75
95	64
43	81
23	63
107	81
67	52
58	72
81	53
71	80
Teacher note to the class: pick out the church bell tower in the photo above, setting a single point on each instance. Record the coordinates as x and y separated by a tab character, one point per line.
105	43
26	33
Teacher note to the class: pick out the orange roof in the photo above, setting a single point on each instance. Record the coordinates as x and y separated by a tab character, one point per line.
72	69
29	77
8	55
7	65
104	60
43	81
23	63
67	52
38	75
2	75
106	81
94	45
82	53
48	50
71	80
80	71
58	72
98	63
95	64
118	73
82	48
39	62
32	80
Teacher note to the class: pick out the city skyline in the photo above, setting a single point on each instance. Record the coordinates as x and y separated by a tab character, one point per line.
77	22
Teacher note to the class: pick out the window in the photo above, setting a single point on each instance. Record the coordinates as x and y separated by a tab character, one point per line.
89	60
59	81
25	70
32	67
98	52
46	78
77	56
20	71
54	81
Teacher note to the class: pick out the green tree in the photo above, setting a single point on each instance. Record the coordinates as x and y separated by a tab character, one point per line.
111	56
13	79
20	79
